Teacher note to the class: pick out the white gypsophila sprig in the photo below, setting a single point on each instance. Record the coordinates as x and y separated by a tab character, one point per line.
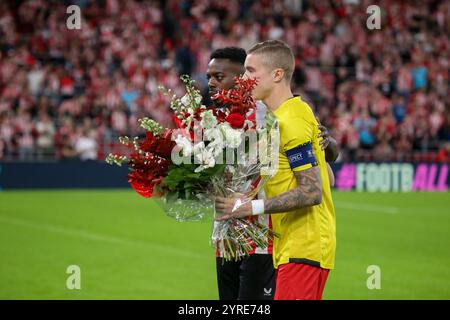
175	103
151	125
116	159
167	92
125	140
194	97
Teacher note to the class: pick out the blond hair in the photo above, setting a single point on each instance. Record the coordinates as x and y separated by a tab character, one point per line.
276	54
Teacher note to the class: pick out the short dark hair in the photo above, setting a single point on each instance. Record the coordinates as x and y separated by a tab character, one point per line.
233	54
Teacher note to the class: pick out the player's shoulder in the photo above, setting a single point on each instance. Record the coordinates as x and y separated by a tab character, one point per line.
303	107
293	110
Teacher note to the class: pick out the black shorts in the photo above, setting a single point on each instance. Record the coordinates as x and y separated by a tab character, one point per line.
251	278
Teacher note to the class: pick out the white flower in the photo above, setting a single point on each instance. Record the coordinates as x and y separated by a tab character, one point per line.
206	157
216	140
233	136
198	148
212	134
208	120
215	137
185	144
217	146
186	100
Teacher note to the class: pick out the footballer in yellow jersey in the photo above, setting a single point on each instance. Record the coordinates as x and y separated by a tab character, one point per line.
308	233
298	196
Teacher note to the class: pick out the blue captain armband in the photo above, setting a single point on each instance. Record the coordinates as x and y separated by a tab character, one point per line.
301	155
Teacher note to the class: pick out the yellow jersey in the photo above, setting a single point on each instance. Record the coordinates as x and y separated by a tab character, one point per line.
307	235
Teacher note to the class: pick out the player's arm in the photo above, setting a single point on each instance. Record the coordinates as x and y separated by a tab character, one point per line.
307	193
330	175
298	147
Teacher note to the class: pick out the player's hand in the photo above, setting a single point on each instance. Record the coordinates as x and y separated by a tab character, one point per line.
325	134
225	206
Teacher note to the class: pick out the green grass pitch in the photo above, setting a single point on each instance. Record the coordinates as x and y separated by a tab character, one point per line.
127	248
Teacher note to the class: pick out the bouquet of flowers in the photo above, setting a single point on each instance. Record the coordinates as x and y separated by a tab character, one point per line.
207	155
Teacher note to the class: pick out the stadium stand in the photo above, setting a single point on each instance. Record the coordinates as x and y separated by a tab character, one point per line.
66	94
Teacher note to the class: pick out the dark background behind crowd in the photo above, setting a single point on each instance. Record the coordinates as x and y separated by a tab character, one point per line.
64	94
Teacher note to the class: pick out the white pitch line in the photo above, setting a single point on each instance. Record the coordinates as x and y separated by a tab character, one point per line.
98	237
366	207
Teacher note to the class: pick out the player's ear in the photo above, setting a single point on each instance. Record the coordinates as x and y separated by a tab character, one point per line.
278	75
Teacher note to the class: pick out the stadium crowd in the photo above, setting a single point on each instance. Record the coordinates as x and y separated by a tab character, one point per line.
384	94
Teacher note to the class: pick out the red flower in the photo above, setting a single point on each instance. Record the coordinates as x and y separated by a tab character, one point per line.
177	121
147	172
161	145
165	144
236	109
197	113
141	188
239	97
236	120
148	144
220	115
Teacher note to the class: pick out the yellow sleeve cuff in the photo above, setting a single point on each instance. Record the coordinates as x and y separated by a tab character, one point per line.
304	167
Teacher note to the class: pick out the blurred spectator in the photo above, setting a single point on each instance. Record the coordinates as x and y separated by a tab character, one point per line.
35	79
45	136
6	134
365	125
444	153
419	75
399	108
383	150
24	135
129	95
86	145
65	139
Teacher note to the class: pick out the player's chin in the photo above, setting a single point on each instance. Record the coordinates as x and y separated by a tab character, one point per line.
257	95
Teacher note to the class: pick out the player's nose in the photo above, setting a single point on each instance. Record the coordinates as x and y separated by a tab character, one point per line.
212	84
212	87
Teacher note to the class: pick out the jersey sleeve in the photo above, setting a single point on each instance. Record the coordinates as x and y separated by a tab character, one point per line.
297	135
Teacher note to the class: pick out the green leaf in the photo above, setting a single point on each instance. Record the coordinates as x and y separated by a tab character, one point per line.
183	179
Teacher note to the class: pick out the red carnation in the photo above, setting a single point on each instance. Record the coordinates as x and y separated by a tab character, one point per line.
236	120
147	171
159	145
165	144
141	188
